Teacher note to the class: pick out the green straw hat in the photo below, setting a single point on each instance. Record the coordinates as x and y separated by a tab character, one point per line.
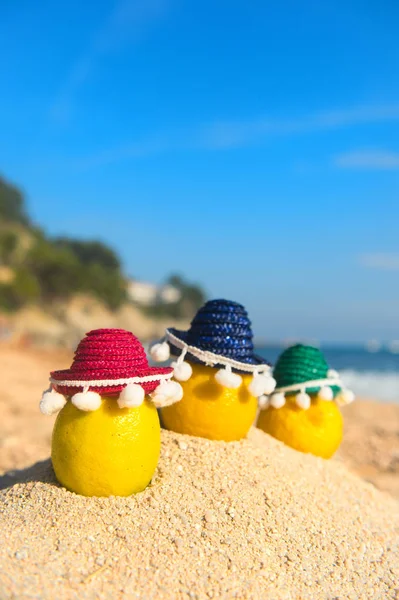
303	370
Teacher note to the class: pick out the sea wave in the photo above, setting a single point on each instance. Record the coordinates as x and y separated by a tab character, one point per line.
373	384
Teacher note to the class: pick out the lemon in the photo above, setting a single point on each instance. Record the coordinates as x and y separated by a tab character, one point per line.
317	430
106	452
209	410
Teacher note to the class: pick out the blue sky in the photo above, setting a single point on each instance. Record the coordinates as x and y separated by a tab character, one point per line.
252	147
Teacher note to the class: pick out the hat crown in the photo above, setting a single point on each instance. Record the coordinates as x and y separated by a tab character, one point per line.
104	351
222	327
299	364
106	360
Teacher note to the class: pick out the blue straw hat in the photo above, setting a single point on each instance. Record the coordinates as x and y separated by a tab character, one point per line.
220	335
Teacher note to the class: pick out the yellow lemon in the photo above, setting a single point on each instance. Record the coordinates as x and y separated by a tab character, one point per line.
317	430
211	411
106	452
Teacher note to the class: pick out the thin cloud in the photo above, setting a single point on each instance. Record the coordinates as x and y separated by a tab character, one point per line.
225	135
129	21
135	150
365	159
380	261
230	134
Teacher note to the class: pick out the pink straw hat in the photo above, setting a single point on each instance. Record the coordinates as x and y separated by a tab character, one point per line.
110	362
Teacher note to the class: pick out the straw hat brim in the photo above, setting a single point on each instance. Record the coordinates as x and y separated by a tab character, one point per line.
105	385
309	390
252	361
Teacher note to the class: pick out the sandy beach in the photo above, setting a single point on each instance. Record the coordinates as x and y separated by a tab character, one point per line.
249	519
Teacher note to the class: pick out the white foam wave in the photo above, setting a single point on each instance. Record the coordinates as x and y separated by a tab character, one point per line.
373	384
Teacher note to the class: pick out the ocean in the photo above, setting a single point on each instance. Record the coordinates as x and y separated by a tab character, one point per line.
368	373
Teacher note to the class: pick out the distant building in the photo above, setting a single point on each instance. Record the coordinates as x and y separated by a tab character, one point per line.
142	292
149	294
169	294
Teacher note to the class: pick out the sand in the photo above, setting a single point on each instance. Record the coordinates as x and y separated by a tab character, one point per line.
250	519
25	435
370	446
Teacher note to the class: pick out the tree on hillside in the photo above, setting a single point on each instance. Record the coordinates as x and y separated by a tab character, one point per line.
90	253
102	269
66	267
8	246
57	269
192	295
12	204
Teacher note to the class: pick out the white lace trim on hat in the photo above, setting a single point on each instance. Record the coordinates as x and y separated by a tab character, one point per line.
309	384
111	382
211	359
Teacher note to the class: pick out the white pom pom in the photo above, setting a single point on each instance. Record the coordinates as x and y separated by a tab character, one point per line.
167	393
277	400
86	401
303	400
332	374
160	352
261	384
51	402
256	387
270	385
345	397
132	395
226	378
182	371
263	402
326	393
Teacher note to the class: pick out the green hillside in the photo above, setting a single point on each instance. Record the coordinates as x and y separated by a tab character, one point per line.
37	269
